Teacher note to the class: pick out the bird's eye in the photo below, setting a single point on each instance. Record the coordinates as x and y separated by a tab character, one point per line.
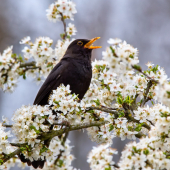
80	43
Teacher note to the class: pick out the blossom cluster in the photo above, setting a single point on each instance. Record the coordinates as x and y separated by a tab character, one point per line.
29	121
119	90
55	149
102	134
44	55
160	92
67	106
113	77
9	70
12	163
61	8
4	143
101	158
150	152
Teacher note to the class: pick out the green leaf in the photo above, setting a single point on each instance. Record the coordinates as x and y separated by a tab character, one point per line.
43	149
60	163
14	55
155	69
24	76
127	100
109	168
135	150
49	64
68	36
130	128
146	151
139	127
20	58
62	35
119	100
90	111
131	56
1	161
111	127
121	114
113	51
97	102
23	149
33	127
56	102
137	67
168	93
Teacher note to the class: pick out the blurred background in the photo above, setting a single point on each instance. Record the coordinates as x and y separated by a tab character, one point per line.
144	24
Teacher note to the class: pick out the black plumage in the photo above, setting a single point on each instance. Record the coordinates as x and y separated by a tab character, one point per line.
74	69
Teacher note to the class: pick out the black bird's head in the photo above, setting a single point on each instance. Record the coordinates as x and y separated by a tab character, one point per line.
82	47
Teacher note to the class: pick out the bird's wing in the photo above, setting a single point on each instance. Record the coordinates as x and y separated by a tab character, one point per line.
51	83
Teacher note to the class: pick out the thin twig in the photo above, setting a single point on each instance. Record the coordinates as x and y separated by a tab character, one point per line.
7	126
140	70
64	24
19	144
116	166
137	121
63	143
60	124
109	108
105	109
32	63
58	157
145	99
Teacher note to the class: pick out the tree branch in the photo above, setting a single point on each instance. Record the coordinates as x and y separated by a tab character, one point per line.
11	155
128	115
49	135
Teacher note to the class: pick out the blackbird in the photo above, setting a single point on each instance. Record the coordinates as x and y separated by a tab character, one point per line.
74	69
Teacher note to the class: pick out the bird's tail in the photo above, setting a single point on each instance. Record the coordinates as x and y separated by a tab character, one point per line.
36	164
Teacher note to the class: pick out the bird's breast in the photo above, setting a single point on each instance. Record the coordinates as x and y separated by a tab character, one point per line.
79	76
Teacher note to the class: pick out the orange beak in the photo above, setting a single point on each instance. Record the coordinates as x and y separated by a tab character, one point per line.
89	45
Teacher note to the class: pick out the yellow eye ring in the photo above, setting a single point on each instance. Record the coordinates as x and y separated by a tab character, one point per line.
80	43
